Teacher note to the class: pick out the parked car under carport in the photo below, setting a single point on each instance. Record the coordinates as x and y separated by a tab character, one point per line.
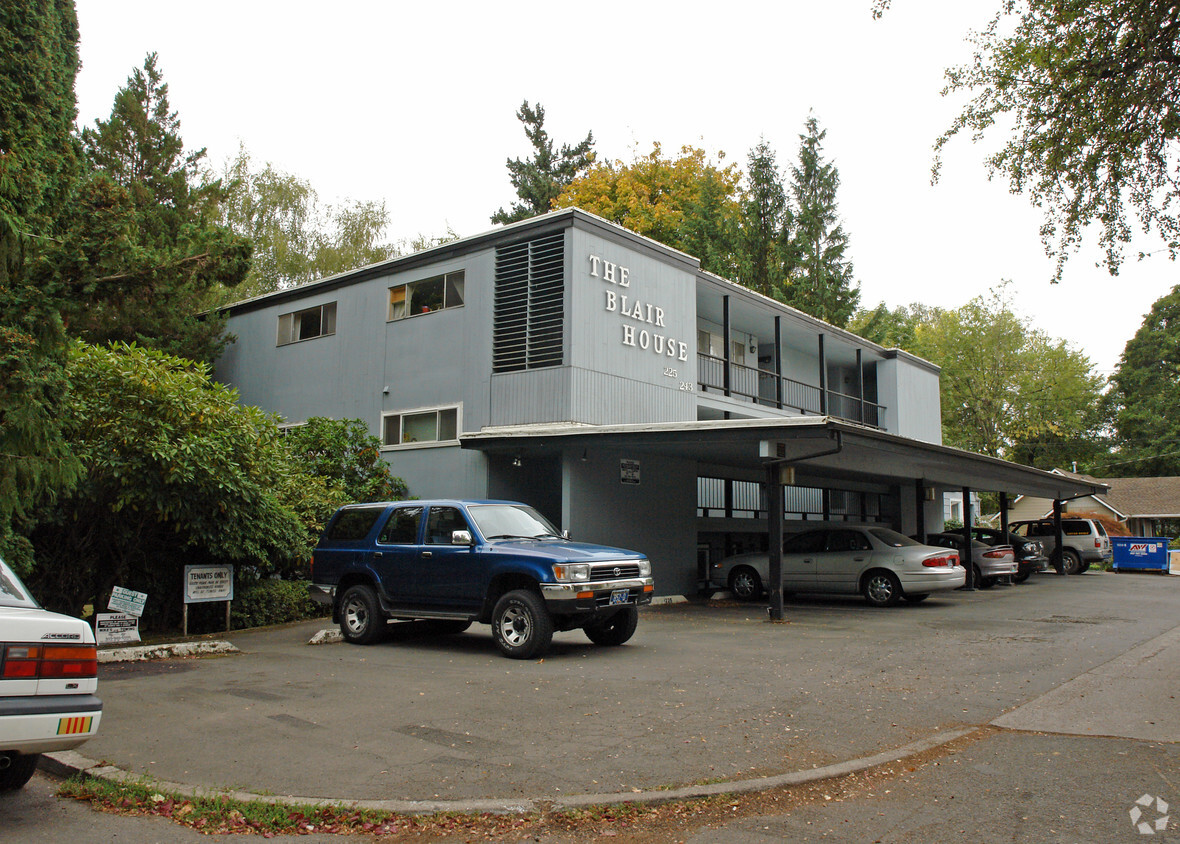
879	563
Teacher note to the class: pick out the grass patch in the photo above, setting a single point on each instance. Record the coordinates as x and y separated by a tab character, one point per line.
221	814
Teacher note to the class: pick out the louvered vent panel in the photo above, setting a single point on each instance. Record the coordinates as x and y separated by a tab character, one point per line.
529	305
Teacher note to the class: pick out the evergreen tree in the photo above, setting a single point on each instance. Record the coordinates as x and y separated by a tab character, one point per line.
38	172
156	233
763	224
1146	394
541	179
820	276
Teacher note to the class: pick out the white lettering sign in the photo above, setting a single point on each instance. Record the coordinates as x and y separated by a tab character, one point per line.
636	310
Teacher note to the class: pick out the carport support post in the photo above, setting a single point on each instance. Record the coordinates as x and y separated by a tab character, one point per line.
1059	553
1004	516
968	518
774	515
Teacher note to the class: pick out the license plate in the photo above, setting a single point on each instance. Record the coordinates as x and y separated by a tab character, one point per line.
620	596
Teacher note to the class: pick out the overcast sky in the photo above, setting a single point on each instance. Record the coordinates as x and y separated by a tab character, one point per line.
414	104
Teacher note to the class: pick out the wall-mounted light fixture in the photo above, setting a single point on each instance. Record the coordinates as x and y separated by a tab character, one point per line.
516	460
385	391
584	456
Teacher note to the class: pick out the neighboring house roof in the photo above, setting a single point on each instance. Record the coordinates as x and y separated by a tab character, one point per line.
1140	497
1135	497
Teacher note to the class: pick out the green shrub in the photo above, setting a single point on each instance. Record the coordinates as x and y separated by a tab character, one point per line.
272	602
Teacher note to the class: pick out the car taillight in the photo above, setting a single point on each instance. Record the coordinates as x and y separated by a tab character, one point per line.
938	562
49	662
995	555
1097	542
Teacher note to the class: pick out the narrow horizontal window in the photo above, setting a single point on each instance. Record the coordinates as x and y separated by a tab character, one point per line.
437	425
306	324
426	296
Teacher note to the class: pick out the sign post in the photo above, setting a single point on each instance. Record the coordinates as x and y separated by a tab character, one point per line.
205	584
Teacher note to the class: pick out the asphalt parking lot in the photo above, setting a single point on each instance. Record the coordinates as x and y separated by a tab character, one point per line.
703	693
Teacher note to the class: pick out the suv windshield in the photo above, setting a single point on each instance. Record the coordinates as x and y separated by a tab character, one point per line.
12	591
510	521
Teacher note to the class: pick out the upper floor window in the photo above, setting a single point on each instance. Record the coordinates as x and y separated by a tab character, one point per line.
429	294
438	425
303	325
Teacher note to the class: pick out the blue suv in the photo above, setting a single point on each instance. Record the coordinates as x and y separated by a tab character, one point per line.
455	562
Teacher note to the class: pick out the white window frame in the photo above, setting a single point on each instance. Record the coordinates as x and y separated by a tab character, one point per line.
420	411
289	324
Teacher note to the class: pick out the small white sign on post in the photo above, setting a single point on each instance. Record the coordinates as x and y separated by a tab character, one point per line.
206	584
203	584
127	600
112	628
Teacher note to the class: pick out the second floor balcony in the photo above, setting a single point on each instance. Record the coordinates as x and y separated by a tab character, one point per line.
768	389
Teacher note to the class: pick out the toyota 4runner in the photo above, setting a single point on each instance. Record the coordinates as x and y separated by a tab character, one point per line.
457	562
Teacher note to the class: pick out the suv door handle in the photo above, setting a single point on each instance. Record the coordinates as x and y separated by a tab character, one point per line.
376	553
427	553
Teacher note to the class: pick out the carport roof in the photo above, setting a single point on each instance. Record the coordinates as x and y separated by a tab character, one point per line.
821	449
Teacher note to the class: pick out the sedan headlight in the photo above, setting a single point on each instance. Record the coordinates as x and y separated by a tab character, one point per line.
645	568
571	572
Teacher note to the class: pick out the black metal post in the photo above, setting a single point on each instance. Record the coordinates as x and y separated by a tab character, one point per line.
860	386
968	518
778	362
1004	516
727	351
774	515
1059	553
920	500
823	379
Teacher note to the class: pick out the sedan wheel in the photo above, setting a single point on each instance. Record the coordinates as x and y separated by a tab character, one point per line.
881	588
745	584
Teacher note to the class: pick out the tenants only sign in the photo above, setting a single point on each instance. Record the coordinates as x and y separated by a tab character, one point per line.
208	583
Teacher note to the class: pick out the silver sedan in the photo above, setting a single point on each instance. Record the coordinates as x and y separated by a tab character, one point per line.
876	562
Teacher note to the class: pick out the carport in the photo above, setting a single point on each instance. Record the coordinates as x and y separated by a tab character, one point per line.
802	450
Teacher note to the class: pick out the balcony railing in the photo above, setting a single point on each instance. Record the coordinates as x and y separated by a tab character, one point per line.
761	387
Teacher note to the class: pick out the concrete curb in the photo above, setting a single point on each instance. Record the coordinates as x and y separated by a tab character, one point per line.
70	763
146	652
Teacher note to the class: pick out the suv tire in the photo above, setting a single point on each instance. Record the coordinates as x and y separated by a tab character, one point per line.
1071	561
615	630
361	621
521	625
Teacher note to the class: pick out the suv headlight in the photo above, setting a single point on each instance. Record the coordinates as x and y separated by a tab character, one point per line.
645	568
571	572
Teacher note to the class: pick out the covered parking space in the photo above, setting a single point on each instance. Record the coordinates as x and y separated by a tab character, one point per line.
803	451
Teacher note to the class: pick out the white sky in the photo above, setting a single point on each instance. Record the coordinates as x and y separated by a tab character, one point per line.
414	104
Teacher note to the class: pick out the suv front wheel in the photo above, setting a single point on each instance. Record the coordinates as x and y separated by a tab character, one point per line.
521	625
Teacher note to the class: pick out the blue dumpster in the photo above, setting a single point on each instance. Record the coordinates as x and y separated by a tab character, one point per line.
1140	553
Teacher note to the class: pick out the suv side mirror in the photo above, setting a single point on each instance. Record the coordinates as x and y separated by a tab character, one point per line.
461	537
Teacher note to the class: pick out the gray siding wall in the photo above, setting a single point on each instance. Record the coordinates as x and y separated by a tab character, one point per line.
657	516
910	395
431	360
